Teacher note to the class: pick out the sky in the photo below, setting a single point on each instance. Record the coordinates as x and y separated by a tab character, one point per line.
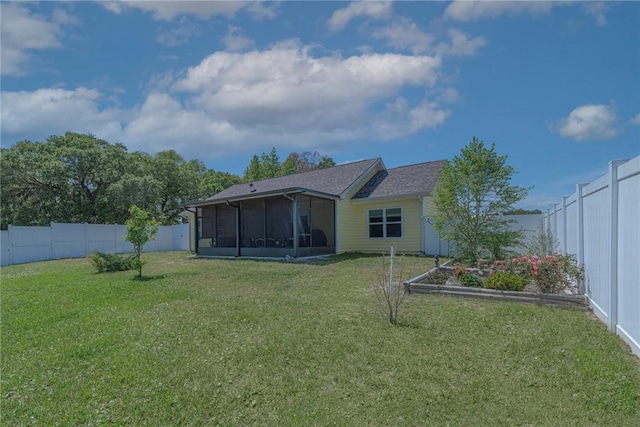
554	85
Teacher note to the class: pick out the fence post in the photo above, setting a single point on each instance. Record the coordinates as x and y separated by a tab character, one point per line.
580	231
613	242
10	243
564	224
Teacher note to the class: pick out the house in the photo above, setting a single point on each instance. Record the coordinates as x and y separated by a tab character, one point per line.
354	207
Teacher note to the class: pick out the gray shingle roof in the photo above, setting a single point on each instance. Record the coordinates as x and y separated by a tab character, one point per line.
331	181
405	180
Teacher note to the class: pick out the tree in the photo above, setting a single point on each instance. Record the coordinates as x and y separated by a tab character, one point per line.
63	179
269	166
472	192
79	178
140	229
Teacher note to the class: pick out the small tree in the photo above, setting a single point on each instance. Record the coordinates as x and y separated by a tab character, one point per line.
140	229
472	192
388	290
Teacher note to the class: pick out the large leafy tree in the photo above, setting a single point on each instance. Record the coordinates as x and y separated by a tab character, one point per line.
79	178
472	192
63	179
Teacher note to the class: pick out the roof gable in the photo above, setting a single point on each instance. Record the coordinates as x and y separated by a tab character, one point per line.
331	182
415	179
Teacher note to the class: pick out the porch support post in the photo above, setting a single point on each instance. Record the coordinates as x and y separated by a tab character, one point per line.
294	210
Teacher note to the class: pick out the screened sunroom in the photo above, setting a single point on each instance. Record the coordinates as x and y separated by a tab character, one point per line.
296	225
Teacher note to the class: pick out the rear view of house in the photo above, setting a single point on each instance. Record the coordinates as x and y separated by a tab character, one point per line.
360	206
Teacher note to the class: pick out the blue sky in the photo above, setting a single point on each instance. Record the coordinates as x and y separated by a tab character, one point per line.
555	85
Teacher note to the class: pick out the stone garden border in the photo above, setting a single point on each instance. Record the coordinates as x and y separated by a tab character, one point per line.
415	285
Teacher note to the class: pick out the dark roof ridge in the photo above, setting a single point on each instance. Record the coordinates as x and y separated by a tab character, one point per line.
311	171
418	164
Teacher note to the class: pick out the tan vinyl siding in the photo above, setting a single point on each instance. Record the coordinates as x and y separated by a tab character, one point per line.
346	221
354	226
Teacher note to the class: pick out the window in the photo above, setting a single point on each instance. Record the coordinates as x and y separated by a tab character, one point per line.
385	222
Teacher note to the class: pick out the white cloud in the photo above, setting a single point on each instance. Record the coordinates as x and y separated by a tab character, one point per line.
460	44
235	41
589	122
370	9
404	34
180	34
398	118
234	102
597	9
168	10
285	87
55	111
636	120
465	10
23	32
475	10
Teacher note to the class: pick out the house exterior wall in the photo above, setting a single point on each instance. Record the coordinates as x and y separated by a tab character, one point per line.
345	221
354	226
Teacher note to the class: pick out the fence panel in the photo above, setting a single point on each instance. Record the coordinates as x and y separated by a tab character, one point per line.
29	244
102	238
181	237
69	240
5	254
20	245
602	228
597	253
629	252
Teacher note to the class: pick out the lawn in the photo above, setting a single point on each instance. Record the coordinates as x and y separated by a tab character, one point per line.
244	342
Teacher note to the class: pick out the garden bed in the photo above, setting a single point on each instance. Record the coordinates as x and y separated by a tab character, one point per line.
419	285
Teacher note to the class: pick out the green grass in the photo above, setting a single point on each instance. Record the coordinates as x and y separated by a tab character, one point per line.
242	342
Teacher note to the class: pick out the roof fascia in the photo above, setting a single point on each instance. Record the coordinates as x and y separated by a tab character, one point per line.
298	190
357	180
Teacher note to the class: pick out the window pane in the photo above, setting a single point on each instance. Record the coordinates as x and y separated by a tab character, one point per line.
394	215
375	230
394	230
375	215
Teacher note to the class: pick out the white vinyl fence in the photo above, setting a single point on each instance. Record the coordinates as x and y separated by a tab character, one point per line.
19	245
600	224
529	224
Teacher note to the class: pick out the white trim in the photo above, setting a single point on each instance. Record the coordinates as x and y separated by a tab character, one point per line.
384	222
358	179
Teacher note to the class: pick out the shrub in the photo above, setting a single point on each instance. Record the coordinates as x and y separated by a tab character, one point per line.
459	270
436	277
557	272
504	281
551	273
109	262
470	280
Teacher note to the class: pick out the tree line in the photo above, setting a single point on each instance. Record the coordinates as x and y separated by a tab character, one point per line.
78	178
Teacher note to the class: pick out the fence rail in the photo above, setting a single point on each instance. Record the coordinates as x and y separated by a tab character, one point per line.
600	224
19	245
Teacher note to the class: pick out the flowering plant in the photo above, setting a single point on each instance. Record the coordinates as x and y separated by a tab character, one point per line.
550	273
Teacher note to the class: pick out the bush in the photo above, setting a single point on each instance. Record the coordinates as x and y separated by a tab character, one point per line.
109	262
436	277
470	280
503	281
557	272
459	270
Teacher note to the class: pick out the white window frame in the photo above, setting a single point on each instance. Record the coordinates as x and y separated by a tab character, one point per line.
385	223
